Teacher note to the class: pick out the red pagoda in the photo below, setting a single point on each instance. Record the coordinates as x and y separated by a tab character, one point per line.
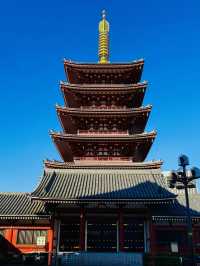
103	199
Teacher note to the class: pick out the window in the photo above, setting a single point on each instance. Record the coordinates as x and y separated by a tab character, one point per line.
134	235
2	231
29	237
102	236
168	236
197	237
70	236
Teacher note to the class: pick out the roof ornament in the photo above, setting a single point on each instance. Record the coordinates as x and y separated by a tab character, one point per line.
103	14
103	51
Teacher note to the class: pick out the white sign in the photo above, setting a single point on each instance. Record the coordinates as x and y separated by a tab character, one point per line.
174	247
41	241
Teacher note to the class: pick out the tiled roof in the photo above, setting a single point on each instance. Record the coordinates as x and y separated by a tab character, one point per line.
144	135
178	208
102	164
102	184
104	87
111	111
19	205
70	63
105	137
79	72
194	201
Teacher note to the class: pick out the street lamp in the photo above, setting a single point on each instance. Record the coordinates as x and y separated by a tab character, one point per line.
182	179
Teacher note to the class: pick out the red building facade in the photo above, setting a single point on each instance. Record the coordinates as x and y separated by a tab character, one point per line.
103	196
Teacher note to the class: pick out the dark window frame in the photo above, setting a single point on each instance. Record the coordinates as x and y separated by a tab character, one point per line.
29	236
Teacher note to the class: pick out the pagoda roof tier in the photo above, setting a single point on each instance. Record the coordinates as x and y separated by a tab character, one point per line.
136	146
104	137
104	111
103	165
79	73
102	185
71	118
99	88
74	93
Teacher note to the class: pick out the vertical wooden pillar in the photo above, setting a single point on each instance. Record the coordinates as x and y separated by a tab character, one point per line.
82	229
121	230
56	238
9	234
147	235
152	242
152	239
195	239
50	240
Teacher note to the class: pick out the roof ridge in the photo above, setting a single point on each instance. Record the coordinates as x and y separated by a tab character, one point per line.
121	109
15	193
130	63
63	134
141	83
53	164
151	171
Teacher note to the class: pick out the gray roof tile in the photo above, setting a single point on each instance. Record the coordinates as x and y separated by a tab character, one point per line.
102	184
178	207
16	205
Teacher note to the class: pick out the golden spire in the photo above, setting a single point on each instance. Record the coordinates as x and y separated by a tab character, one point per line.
103	40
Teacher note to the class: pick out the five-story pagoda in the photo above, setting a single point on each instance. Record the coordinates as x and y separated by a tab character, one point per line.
103	119
102	195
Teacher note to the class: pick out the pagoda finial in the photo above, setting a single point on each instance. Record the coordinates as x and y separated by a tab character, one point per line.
104	14
103	40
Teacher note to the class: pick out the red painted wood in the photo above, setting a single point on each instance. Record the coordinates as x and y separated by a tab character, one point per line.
152	239
50	242
11	236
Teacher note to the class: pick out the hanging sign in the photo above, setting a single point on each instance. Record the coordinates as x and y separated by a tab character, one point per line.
41	241
174	247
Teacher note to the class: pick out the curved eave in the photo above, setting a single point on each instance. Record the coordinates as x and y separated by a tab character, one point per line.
105	138
69	145
70	117
69	63
98	88
73	93
25	217
75	72
82	112
106	185
102	165
127	201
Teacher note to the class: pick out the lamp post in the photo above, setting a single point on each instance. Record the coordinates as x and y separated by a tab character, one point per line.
182	180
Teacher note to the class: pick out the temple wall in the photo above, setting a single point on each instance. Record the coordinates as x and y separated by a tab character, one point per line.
164	235
156	237
22	239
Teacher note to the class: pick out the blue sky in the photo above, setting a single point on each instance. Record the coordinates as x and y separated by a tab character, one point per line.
36	35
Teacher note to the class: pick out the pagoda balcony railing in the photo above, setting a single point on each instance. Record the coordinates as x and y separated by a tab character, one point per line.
107	107
103	132
104	158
